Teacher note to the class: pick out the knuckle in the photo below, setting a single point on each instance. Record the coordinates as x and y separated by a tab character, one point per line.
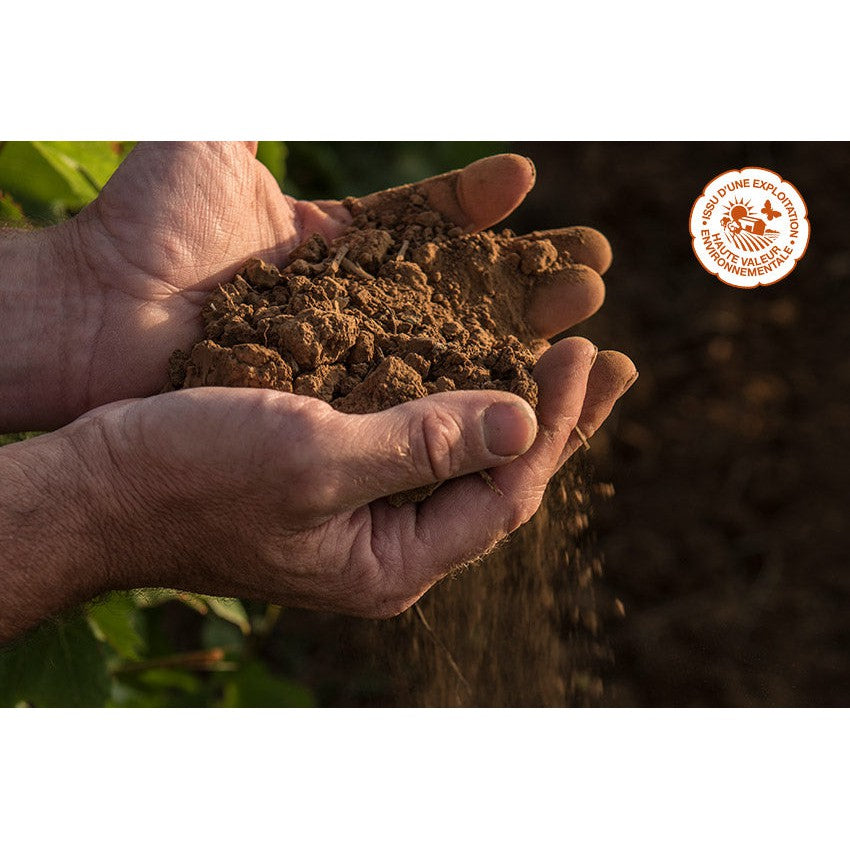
297	417
437	445
297	425
317	494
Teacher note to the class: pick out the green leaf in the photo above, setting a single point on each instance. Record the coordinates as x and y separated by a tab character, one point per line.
218	633
230	610
153	596
273	156
10	211
157	689
42	180
116	621
164	679
253	686
5	439
60	664
51	179
96	161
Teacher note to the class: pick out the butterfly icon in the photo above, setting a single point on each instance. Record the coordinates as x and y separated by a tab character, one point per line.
768	210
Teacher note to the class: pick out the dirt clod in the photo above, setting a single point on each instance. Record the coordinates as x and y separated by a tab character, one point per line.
401	305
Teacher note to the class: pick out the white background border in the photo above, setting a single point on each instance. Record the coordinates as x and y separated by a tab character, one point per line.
646	70
649	70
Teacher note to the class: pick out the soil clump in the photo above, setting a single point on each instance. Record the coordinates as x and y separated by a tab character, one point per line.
401	305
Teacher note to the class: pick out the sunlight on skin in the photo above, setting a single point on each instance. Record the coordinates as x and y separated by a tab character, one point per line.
256	493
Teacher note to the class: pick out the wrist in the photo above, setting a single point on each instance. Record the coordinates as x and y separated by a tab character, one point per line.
51	526
45	317
133	508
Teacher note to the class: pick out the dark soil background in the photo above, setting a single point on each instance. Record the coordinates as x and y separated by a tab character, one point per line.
726	541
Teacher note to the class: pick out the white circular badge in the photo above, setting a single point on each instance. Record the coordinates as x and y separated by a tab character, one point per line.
749	227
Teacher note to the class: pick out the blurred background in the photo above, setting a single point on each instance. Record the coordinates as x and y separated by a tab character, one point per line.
726	541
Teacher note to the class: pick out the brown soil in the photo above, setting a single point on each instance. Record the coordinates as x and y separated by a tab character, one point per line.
523	628
400	306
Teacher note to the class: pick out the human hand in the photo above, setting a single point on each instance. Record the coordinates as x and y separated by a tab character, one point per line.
274	496
177	219
164	472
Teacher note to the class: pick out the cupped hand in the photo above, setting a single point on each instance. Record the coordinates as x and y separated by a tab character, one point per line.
273	496
178	218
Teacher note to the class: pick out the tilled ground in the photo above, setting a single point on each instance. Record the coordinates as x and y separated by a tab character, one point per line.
727	539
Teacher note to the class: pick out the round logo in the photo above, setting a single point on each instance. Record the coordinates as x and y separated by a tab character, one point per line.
749	227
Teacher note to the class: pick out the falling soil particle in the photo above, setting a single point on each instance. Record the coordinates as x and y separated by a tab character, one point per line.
401	305
523	628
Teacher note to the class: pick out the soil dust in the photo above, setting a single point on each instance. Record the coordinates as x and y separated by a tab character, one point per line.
401	305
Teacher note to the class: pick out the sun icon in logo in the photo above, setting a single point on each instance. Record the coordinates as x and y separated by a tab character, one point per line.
736	209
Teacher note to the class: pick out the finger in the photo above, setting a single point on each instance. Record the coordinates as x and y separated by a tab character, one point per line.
473	198
327	218
612	375
423	442
335	211
581	244
562	375
465	518
563	299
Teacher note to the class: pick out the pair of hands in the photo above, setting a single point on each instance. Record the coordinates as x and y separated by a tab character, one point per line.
253	493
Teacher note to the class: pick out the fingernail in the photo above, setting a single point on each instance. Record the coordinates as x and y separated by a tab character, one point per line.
628	384
509	429
595	354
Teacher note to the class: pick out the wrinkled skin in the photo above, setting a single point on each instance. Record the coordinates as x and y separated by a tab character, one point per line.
275	496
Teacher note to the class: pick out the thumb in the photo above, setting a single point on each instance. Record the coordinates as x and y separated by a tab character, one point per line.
426	441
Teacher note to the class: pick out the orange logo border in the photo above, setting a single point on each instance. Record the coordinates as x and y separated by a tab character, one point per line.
795	257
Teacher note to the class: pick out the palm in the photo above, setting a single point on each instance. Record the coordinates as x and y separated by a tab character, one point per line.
179	218
302	485
176	220
165	231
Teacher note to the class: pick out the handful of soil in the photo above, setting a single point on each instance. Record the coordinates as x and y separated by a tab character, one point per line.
401	305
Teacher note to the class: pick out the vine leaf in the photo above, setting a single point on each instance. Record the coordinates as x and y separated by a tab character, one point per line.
115	622
10	211
273	156
254	686
231	610
95	161
61	664
150	597
51	179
